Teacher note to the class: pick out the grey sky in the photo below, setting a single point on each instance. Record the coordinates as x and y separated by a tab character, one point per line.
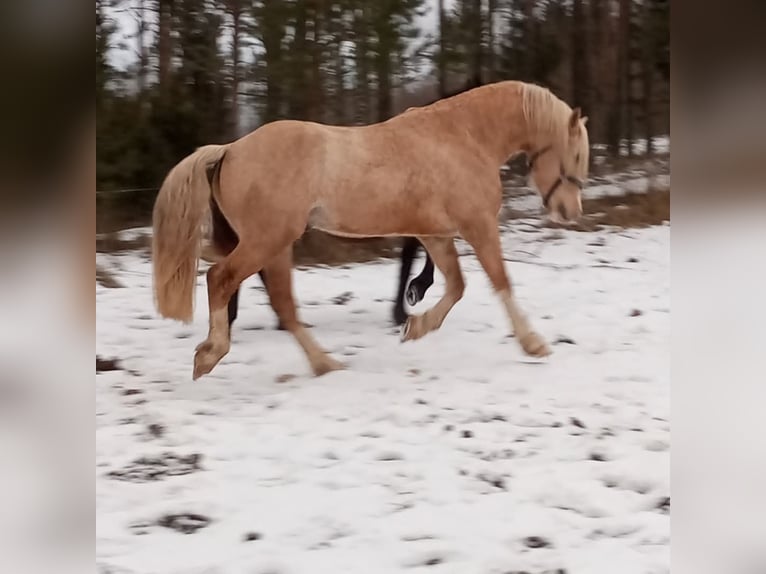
121	57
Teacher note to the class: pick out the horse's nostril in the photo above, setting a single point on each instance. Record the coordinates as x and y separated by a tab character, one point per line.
562	211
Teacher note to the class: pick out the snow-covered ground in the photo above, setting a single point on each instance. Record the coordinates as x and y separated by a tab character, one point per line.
452	454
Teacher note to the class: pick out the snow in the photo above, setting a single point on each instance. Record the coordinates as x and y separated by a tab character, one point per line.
444	455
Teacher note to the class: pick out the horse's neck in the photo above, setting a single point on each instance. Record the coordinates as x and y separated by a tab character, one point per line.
495	120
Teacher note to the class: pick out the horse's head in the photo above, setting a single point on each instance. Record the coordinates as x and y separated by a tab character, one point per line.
559	170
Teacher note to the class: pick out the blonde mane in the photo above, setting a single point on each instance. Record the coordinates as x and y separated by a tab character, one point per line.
545	114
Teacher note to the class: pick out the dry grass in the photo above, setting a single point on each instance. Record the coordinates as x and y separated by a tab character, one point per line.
631	210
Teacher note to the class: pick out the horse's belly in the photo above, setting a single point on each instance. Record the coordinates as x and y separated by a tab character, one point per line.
376	223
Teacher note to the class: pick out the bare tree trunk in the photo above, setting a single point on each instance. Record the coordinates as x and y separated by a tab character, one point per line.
619	119
529	39
442	51
647	68
165	46
491	72
298	65
235	6
477	41
598	68
143	56
316	92
339	73
383	55
272	36
579	58
383	73
361	27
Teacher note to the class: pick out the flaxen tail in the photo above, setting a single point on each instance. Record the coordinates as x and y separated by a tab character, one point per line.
179	212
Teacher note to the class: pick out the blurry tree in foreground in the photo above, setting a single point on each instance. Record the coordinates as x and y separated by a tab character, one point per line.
205	71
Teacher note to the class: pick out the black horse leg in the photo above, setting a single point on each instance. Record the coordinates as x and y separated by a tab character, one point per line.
233	307
234	303
418	286
262	275
409	250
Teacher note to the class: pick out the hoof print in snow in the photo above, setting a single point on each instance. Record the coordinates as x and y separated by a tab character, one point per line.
285	378
131	392
155	430
536	542
496	481
636	313
563	339
448	428
150	469
577	422
435	561
251	536
598	457
184	523
389	456
632	260
467	434
343	298
420	401
663	505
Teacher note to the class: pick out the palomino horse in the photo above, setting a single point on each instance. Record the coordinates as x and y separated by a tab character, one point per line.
431	172
413	291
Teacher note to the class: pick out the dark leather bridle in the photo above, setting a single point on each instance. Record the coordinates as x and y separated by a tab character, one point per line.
563	176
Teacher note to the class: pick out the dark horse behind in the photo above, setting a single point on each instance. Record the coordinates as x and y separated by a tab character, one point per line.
412	292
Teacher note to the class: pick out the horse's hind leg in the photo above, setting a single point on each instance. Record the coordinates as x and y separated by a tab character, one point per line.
418	286
485	240
280	293
409	250
444	254
233	307
223	280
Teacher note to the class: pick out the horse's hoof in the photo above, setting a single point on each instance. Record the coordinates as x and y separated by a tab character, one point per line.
326	365
413	295
405	330
534	345
206	356
413	328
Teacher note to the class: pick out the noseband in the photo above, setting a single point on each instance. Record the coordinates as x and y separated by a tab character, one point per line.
563	177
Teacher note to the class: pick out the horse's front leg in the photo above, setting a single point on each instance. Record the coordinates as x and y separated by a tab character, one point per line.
485	240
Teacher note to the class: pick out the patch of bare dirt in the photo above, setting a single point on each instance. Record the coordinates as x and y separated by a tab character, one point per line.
106	279
152	468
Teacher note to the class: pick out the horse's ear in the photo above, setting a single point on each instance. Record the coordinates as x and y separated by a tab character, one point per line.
584	120
574	119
